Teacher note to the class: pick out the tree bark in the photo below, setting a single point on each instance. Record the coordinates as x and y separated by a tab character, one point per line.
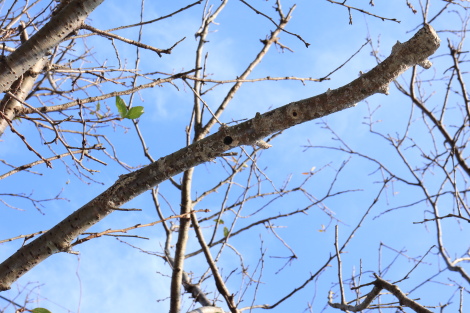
183	232
58	239
12	67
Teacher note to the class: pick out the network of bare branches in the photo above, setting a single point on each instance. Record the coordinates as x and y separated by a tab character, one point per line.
431	157
70	106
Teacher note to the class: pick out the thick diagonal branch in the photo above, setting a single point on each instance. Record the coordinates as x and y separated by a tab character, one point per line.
413	52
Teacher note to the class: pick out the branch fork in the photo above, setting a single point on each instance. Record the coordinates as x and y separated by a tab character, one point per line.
413	52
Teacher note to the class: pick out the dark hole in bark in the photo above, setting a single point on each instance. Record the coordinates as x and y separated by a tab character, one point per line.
228	140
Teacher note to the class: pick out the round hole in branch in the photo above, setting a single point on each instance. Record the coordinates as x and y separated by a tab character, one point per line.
228	140
294	114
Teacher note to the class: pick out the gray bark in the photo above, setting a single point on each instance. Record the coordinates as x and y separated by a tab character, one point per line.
65	21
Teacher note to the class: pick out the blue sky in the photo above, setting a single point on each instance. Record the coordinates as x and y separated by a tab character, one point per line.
110	276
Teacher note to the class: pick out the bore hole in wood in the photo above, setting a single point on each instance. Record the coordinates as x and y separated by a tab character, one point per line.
228	140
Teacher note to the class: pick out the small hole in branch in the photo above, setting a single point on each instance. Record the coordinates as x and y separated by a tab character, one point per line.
294	113
228	140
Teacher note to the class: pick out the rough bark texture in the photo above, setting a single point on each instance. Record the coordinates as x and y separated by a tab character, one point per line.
12	67
413	52
22	86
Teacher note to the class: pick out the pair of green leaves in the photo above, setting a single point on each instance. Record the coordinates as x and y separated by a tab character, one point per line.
132	113
219	221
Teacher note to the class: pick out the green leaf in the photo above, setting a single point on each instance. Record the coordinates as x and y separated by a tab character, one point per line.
135	112
219	221
225	231
121	106
97	109
40	310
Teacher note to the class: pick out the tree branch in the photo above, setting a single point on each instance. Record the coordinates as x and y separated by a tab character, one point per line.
57	29
219	282
59	238
380	284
